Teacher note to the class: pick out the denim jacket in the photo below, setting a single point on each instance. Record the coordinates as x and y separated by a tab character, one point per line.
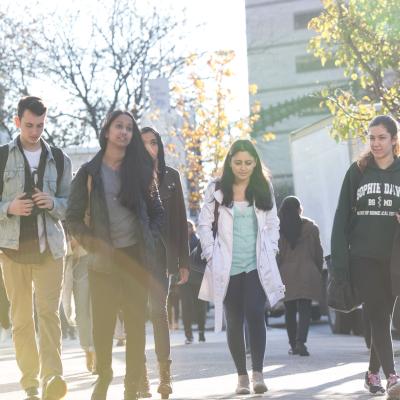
14	178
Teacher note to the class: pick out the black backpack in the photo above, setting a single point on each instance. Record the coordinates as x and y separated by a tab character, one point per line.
58	158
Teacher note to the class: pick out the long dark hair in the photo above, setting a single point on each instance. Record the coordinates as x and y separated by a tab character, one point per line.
137	166
390	124
290	220
161	154
258	190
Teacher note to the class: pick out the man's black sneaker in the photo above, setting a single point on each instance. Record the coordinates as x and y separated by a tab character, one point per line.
32	393
293	351
302	349
189	340
372	382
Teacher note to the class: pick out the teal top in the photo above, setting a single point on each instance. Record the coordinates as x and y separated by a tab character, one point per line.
245	228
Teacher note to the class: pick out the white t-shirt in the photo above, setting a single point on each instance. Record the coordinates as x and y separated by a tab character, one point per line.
33	158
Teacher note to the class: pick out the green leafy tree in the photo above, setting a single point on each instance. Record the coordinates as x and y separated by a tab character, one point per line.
362	37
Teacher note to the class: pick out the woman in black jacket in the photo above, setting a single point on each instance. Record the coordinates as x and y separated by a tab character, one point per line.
362	238
117	192
172	256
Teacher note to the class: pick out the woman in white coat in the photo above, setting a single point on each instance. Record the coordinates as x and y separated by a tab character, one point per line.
241	276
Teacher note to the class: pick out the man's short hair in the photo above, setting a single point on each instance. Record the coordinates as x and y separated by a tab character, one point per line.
33	104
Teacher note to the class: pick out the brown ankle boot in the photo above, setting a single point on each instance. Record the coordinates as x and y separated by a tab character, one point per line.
165	388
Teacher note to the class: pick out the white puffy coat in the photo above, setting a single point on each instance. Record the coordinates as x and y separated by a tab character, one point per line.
218	252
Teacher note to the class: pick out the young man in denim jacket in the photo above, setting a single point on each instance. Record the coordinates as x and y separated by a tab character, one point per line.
33	203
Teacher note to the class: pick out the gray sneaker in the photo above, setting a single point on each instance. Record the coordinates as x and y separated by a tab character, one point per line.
372	382
259	385
243	386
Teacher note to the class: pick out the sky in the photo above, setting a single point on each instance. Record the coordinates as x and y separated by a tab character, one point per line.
222	27
225	28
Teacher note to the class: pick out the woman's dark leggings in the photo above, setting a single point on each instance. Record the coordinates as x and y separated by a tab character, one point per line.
245	298
371	279
297	332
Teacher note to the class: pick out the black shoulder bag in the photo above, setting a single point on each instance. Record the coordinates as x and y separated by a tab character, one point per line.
341	296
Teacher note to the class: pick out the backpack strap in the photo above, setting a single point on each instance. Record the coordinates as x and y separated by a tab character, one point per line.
59	159
3	162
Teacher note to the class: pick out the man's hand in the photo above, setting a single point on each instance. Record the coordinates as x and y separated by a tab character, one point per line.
398	216
183	276
20	206
43	200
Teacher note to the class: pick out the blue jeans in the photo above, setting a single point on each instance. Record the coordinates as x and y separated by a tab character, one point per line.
158	292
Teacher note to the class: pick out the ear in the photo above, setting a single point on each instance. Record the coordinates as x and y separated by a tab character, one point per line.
17	122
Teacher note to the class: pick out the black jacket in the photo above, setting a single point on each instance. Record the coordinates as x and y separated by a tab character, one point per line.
174	231
365	222
96	238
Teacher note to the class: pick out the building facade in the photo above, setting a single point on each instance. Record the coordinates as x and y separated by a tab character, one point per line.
287	76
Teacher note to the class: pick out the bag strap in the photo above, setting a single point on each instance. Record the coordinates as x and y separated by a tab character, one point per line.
215	222
3	162
59	159
89	186
355	182
216	213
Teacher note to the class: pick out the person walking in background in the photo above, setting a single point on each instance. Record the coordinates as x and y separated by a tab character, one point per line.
193	309
172	256
363	234
76	285
116	191
119	331
35	185
300	261
173	302
241	272
68	328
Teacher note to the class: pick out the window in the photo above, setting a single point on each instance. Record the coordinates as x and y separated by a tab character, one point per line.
301	19
308	62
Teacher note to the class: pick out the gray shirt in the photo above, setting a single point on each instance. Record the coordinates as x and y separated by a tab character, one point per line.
124	224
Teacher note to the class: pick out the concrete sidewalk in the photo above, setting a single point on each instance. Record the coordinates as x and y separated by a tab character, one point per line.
334	370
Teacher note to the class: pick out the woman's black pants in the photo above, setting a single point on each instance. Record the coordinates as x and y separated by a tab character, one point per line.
193	309
297	331
124	288
371	279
